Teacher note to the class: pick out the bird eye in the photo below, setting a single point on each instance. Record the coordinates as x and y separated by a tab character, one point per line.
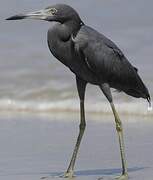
53	10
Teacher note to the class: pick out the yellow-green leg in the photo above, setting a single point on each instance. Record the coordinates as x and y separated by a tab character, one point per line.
70	170
81	91
106	90
119	129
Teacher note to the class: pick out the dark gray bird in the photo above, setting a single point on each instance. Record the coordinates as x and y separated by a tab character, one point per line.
94	59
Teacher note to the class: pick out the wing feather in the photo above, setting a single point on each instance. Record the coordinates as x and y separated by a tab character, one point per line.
108	62
102	56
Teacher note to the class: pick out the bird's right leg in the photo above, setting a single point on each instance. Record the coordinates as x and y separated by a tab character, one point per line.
106	90
81	85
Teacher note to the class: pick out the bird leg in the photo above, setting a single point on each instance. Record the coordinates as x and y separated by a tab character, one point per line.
70	170
119	129
106	90
81	90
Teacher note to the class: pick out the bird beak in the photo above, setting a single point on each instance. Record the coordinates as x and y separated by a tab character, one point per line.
42	14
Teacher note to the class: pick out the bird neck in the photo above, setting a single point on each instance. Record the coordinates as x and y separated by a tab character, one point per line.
74	26
70	28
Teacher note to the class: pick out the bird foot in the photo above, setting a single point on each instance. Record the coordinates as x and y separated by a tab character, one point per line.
69	175
122	177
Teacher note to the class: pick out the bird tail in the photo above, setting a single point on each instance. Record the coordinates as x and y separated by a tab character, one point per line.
150	105
144	93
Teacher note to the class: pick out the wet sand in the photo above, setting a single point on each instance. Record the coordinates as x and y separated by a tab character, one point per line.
34	146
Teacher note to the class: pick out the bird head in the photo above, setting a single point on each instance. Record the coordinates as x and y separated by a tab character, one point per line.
60	13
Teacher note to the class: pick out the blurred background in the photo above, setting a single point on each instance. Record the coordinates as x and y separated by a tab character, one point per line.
31	79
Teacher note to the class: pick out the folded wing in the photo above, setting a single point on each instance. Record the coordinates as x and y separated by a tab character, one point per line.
108	62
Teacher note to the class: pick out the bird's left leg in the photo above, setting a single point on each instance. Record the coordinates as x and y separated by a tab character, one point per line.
81	85
106	90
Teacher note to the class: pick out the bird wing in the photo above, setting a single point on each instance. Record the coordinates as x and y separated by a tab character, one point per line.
103	57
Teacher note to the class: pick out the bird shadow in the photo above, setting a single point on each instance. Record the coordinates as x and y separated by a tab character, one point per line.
82	173
98	172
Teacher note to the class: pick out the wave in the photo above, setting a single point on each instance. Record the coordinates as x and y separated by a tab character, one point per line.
72	105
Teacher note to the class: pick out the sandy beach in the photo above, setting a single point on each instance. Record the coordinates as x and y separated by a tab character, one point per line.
35	146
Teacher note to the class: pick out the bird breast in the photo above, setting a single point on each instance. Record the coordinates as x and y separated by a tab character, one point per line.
65	52
60	46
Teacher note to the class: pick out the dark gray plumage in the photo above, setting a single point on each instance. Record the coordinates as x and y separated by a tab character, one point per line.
108	62
94	59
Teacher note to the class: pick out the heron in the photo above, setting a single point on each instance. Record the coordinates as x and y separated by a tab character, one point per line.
94	59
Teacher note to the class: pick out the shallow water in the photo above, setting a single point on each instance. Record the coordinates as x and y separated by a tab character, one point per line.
34	146
33	80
